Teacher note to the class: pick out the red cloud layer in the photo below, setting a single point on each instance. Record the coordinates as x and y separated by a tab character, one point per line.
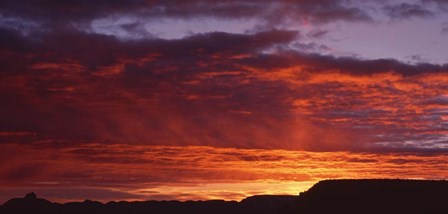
217	89
120	171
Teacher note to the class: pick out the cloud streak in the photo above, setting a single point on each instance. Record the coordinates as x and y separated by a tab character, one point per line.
151	171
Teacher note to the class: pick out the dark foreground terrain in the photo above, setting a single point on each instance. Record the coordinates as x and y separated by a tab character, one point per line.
332	196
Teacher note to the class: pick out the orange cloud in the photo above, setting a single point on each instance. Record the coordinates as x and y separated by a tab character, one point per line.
162	172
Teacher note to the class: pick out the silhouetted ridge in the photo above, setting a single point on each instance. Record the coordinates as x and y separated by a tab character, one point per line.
267	203
332	196
375	196
28	204
31	196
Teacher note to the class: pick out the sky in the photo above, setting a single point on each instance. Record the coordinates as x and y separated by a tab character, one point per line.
197	100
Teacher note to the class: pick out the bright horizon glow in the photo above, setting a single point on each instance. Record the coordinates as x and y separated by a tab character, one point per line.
203	173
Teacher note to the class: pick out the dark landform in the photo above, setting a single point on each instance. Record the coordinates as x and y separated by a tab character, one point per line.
330	196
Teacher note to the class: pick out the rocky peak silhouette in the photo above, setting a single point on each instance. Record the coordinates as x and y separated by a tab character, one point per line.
31	196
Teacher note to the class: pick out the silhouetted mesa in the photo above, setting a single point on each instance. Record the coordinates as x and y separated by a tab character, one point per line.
332	196
375	196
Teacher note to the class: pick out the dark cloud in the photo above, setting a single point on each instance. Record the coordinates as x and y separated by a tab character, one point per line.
362	160
69	85
317	33
361	66
405	11
56	13
311	47
29	16
96	49
445	30
350	65
437	1
53	97
50	10
439	100
442	4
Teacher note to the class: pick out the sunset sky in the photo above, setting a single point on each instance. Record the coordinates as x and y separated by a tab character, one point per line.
208	99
